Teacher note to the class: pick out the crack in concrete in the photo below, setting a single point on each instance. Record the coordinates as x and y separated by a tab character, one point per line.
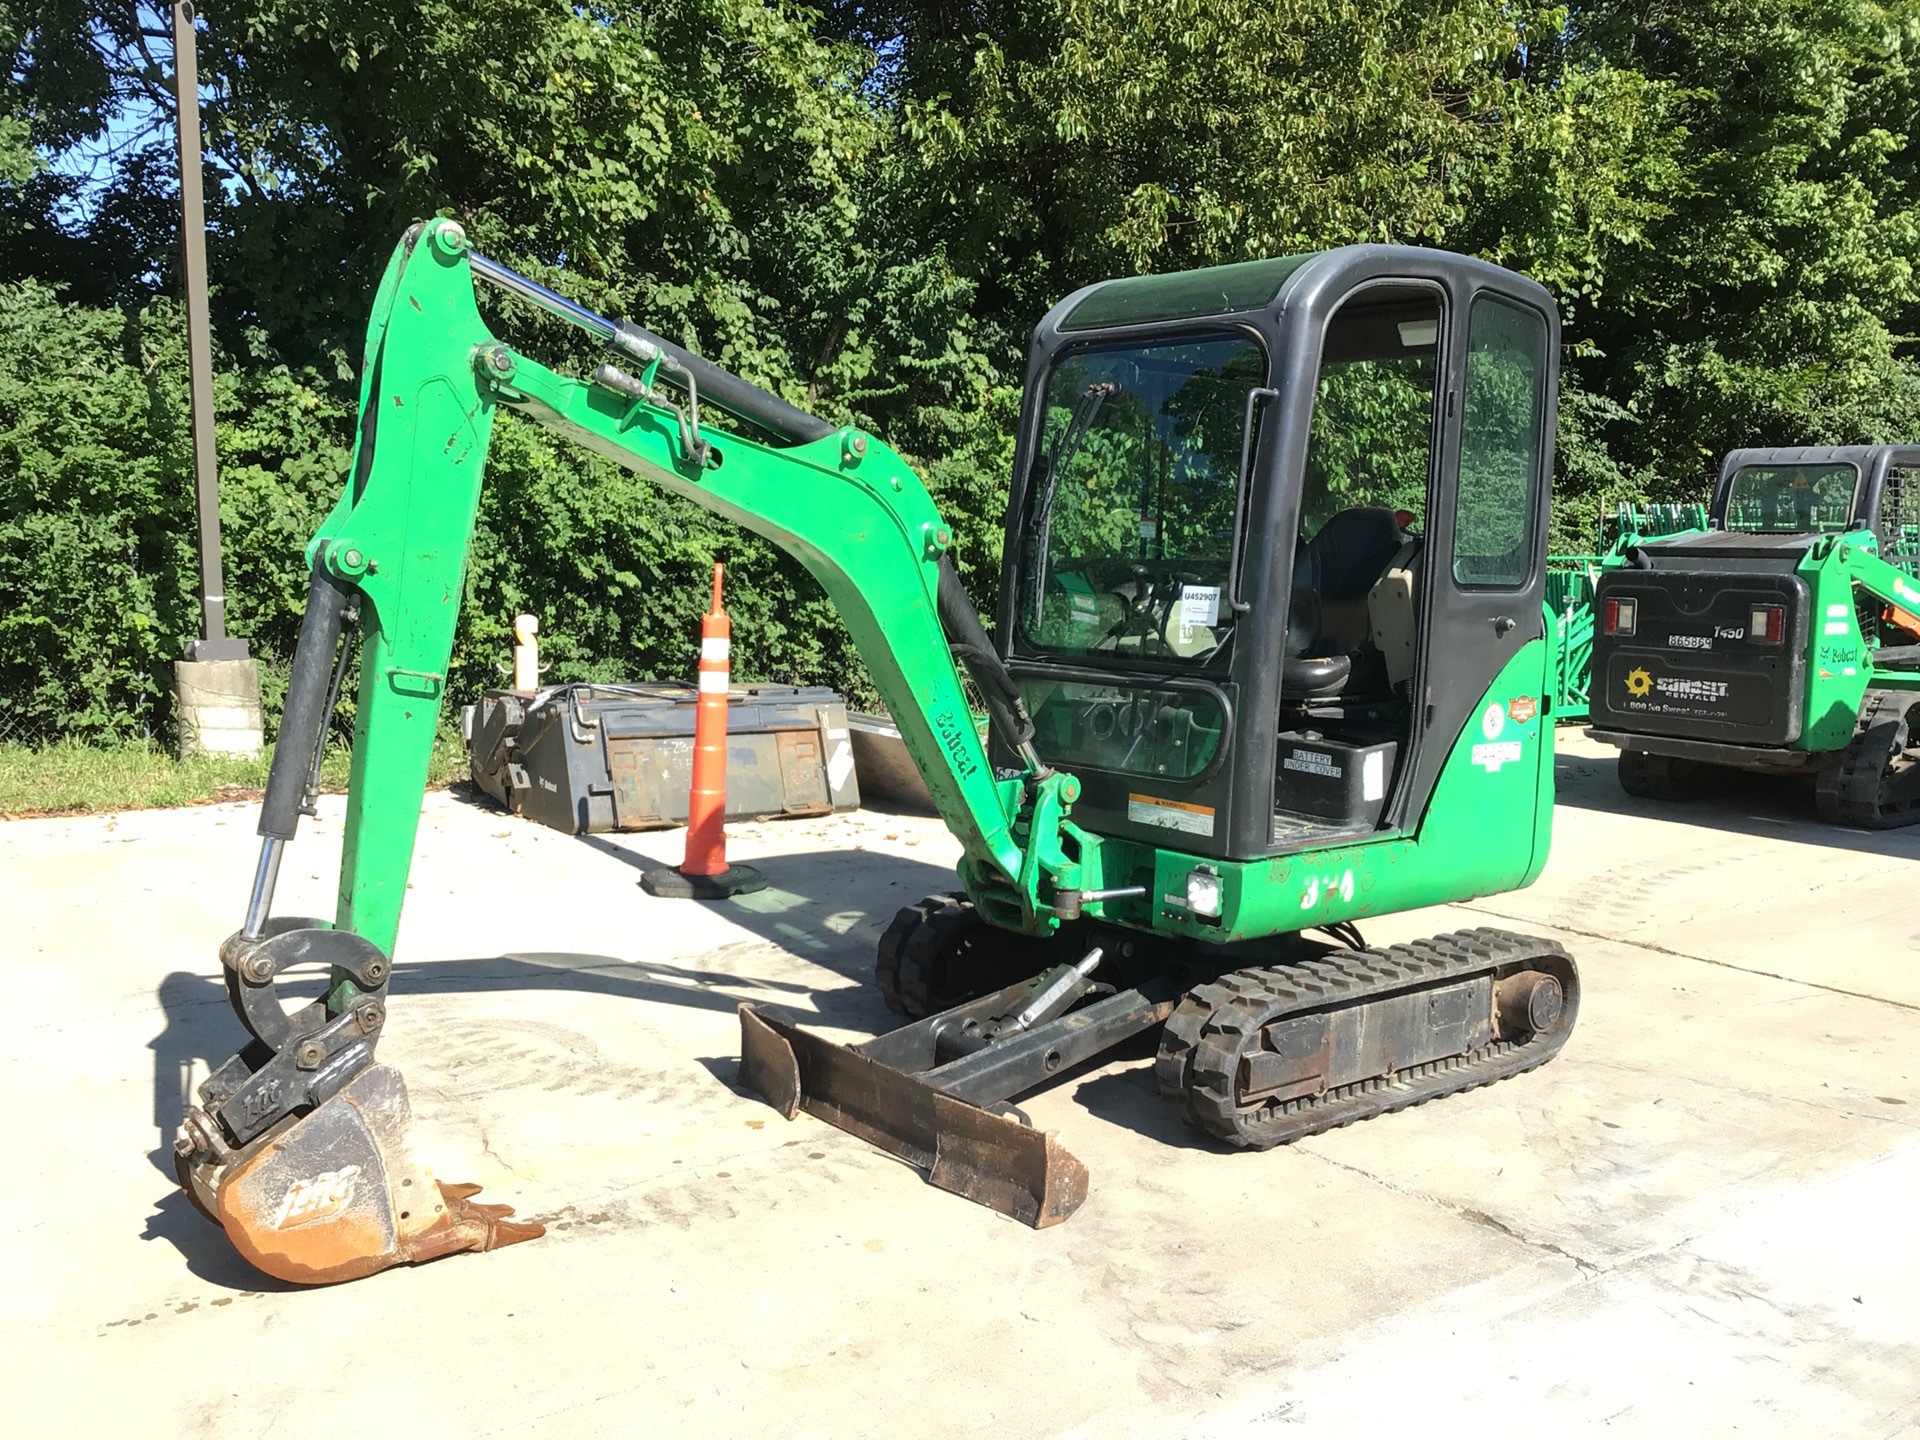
1476	1217
1480	1217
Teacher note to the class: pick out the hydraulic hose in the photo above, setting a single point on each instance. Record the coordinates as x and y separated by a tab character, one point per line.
968	640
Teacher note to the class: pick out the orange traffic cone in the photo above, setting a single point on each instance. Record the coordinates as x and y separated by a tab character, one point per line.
705	874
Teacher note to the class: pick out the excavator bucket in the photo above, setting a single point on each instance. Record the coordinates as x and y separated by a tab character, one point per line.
340	1193
987	1156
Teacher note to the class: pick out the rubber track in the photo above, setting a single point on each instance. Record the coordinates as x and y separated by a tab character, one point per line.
1201	1046
1851	792
1647	776
900	966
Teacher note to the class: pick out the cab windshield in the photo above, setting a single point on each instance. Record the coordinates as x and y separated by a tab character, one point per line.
1133	500
1791	499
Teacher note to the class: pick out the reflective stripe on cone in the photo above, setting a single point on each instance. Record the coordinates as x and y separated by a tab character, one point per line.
707	803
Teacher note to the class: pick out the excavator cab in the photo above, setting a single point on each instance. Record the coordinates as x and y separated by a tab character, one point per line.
1270	658
1277	528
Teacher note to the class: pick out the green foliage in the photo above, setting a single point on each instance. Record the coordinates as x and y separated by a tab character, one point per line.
95	528
1370	438
865	207
74	776
1761	291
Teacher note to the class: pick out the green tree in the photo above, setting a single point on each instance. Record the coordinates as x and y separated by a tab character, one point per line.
866	207
1765	287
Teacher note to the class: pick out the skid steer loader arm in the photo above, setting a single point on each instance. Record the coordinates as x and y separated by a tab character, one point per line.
300	1145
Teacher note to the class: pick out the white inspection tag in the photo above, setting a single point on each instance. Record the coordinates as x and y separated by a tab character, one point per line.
1199	605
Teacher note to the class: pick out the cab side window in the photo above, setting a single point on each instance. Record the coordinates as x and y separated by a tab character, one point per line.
1900	518
1501	446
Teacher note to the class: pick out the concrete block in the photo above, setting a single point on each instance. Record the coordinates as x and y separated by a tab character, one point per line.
217	703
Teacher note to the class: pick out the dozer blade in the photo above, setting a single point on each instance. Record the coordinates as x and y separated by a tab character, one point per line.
340	1194
990	1158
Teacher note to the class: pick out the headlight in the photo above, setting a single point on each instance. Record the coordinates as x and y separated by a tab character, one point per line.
1203	892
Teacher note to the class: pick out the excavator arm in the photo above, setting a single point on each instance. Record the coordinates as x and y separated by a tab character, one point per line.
298	1146
844	503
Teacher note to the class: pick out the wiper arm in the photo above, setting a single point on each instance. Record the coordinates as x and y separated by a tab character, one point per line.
1064	449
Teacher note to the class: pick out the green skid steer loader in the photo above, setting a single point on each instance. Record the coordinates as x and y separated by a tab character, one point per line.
1271	657
1782	637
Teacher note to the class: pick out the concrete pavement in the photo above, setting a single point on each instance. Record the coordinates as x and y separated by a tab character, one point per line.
1697	1220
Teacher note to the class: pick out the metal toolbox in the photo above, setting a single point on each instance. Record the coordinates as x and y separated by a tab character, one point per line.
590	758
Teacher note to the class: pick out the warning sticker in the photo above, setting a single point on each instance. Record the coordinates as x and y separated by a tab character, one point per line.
1170	814
1522	709
1491	757
1082	609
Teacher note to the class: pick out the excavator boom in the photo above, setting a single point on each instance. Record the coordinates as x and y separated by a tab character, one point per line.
299	1145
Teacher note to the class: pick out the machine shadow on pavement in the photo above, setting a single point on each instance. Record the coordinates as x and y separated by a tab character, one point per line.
1774	807
859	891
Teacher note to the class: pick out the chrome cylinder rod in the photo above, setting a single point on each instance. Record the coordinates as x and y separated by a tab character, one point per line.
1054	993
265	876
783	422
515	283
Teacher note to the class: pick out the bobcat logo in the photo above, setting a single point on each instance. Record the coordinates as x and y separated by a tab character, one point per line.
321	1198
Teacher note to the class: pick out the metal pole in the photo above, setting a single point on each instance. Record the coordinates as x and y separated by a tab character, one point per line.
213	644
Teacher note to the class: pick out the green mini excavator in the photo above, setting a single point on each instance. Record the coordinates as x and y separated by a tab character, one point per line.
1782	637
1271	658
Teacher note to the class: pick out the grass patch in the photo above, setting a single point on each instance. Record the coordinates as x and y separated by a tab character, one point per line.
70	779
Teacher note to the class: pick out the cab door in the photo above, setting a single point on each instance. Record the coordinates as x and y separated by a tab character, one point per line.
1484	693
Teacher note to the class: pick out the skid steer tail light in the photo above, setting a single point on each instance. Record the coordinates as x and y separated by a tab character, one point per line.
1767	624
1620	617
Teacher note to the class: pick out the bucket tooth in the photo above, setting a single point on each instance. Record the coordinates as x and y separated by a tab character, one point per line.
983	1155
340	1194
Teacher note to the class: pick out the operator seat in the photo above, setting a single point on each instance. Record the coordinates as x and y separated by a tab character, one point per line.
1330	651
